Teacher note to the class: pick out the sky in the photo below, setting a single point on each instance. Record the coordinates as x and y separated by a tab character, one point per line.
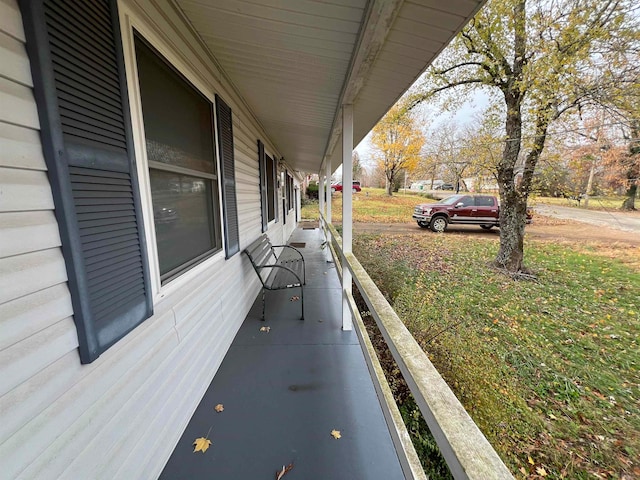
476	104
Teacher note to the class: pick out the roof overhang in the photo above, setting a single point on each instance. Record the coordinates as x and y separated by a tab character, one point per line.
296	62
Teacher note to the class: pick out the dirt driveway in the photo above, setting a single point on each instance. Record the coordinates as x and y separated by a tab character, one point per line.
583	237
543	229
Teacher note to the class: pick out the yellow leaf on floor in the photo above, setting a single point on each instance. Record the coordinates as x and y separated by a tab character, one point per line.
201	444
265	329
541	471
336	434
219	408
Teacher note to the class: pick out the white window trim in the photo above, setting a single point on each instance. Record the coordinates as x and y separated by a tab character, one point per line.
128	22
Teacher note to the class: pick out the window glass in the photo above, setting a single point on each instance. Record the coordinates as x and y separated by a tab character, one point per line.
451	200
178	126
177	119
466	201
484	201
182	213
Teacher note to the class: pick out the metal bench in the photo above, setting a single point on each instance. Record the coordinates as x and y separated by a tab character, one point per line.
277	272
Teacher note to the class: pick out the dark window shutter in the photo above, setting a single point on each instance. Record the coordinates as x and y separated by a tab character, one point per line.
262	165
228	172
276	190
78	72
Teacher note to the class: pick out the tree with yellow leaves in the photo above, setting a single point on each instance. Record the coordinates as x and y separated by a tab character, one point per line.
397	141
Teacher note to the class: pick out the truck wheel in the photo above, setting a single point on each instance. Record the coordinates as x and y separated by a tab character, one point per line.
423	224
486	226
439	224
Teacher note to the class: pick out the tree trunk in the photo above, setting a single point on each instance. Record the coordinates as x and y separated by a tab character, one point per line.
512	207
630	201
513	211
390	185
513	204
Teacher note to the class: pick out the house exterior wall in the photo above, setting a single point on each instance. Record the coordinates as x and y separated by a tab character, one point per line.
120	416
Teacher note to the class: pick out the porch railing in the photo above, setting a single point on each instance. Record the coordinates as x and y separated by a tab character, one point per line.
465	449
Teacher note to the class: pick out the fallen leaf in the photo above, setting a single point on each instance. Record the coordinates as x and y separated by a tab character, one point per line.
219	408
336	434
295	298
552	416
541	471
201	444
265	329
523	470
284	471
531	461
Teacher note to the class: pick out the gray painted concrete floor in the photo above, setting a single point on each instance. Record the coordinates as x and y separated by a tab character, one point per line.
285	391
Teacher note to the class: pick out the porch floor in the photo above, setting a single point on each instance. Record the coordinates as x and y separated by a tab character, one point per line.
285	391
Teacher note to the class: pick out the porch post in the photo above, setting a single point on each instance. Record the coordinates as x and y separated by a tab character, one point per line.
328	256
328	190
320	192
347	214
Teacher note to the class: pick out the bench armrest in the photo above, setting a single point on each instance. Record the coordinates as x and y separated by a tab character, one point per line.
292	248
274	265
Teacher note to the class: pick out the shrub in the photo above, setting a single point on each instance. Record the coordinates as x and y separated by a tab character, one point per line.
312	190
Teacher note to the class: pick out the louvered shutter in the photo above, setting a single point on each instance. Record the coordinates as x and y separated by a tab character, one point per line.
276	190
262	165
228	171
76	59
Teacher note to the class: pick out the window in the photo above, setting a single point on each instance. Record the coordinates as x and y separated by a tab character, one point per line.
178	125
484	202
268	179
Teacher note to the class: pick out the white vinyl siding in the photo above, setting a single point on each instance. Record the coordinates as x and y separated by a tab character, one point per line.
120	416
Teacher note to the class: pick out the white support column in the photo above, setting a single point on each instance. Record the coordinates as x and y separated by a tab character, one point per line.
320	190
327	190
347	206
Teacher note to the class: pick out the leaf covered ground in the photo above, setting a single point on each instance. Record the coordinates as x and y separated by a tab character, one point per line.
548	369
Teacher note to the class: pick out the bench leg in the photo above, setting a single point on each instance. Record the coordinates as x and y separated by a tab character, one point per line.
301	303
263	293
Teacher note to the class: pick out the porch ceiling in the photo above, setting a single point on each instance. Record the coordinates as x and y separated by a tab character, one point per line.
296	61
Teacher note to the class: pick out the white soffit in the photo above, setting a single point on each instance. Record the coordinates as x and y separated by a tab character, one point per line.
290	60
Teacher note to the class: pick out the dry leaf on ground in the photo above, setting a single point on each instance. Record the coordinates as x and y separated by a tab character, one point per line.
201	444
295	298
336	434
219	408
541	471
284	471
265	329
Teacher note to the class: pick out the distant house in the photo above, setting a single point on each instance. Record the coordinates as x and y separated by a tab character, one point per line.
143	145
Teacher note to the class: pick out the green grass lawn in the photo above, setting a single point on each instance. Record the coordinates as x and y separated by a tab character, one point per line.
371	205
595	202
548	369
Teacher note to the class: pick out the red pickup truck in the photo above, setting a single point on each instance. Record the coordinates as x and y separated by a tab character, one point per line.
483	210
337	187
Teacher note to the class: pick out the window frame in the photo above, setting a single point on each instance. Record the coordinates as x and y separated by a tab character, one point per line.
263	154
131	26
